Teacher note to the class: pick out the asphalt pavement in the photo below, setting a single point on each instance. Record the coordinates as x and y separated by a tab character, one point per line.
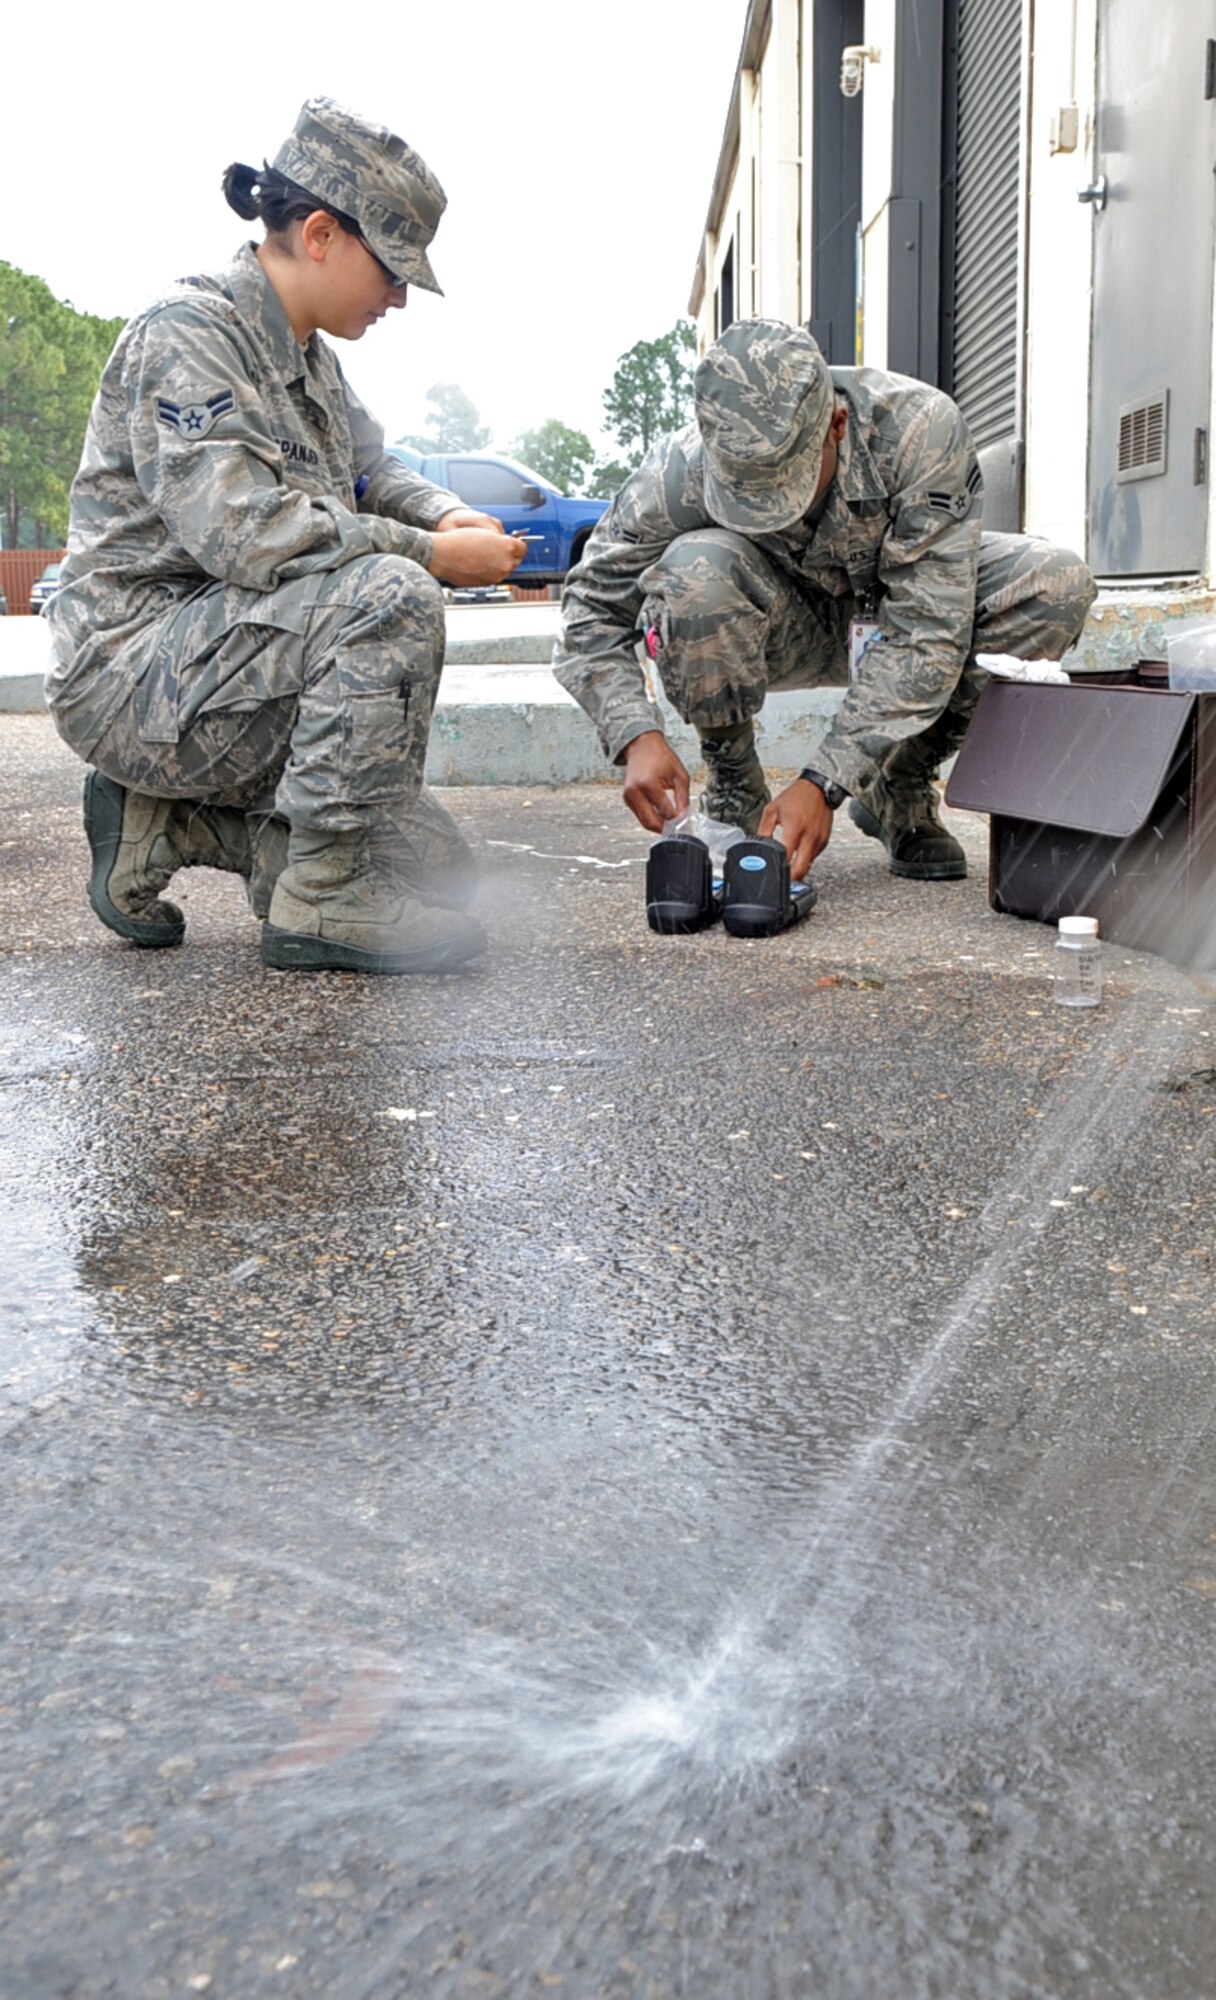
652	1467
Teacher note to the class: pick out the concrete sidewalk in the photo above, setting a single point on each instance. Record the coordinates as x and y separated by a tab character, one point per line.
502	719
506	635
648	1469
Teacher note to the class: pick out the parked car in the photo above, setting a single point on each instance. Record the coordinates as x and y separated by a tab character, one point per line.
45	587
476	593
525	503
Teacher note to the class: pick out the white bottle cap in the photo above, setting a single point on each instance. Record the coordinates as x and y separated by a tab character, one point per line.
1079	927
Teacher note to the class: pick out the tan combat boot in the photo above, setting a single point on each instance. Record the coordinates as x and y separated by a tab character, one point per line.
139	842
268	837
736	790
339	906
430	854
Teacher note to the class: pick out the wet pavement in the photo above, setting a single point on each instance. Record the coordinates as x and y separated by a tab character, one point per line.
651	1468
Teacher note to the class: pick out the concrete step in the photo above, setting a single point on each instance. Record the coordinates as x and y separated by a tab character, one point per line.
505	725
502	719
24	654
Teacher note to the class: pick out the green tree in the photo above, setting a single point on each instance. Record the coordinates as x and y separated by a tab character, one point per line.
608	475
558	453
454	419
51	358
651	391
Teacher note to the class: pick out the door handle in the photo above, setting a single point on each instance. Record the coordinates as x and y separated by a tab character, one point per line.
1096	193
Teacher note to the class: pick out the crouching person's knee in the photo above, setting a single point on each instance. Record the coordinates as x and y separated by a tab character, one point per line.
1034	598
705	576
408	603
385	600
1068	590
708	605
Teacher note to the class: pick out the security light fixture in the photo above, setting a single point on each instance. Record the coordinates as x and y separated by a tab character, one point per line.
853	68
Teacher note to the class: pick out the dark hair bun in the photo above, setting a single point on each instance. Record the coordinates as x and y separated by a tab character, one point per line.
238	184
265	195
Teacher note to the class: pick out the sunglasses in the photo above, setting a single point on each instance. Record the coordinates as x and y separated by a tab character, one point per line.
398	284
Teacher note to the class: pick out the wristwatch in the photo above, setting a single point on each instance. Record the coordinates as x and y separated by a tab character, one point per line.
834	794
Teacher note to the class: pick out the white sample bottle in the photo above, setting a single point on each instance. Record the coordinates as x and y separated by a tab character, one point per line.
1077	963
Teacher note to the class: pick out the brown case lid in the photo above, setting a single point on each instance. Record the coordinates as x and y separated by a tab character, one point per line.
1094	759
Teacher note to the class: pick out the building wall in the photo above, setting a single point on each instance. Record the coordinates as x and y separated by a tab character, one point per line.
1210	567
760	211
783	75
773	269
1058	276
806	120
745	196
877	156
735	227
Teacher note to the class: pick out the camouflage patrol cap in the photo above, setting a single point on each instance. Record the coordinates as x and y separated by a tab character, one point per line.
374	177
764	400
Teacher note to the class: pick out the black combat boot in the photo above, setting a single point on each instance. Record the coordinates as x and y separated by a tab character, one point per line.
904	817
736	790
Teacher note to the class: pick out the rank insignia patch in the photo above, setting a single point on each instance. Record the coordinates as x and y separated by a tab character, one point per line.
958	504
194	420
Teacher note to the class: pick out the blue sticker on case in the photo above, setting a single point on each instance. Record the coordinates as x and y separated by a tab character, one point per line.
755	864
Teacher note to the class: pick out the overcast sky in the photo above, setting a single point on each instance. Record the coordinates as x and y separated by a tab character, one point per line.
577	145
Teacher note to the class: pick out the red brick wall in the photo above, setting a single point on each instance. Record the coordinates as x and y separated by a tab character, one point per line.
19	572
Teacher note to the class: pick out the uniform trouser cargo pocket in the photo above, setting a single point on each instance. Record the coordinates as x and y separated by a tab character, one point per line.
224	649
323	687
351	746
155	700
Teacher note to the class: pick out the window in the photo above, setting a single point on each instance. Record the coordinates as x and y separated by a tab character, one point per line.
726	290
483	483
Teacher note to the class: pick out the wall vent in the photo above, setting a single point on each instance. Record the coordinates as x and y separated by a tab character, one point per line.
1143	432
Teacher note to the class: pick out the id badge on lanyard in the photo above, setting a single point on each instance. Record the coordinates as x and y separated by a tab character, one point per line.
862	634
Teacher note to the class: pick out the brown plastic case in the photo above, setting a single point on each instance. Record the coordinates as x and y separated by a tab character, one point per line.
1102	803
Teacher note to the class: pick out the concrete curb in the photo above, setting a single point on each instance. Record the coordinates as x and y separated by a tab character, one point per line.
502	719
515	726
1129	625
499	720
25	647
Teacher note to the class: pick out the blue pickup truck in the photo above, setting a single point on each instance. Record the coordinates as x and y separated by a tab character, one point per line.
525	503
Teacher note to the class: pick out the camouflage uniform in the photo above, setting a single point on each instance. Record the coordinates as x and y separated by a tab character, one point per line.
766	600
246	615
247	625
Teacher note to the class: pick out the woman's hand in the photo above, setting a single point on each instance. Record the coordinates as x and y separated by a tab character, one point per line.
464	517
472	556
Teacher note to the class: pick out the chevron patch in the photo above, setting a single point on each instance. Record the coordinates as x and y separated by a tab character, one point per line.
194	420
958	504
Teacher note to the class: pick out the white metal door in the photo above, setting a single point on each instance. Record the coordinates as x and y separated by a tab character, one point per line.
1154	209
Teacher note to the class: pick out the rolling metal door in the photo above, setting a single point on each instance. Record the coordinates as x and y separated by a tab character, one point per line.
984	321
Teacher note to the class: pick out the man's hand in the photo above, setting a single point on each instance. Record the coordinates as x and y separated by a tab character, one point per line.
656	783
801	817
475	556
465	517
